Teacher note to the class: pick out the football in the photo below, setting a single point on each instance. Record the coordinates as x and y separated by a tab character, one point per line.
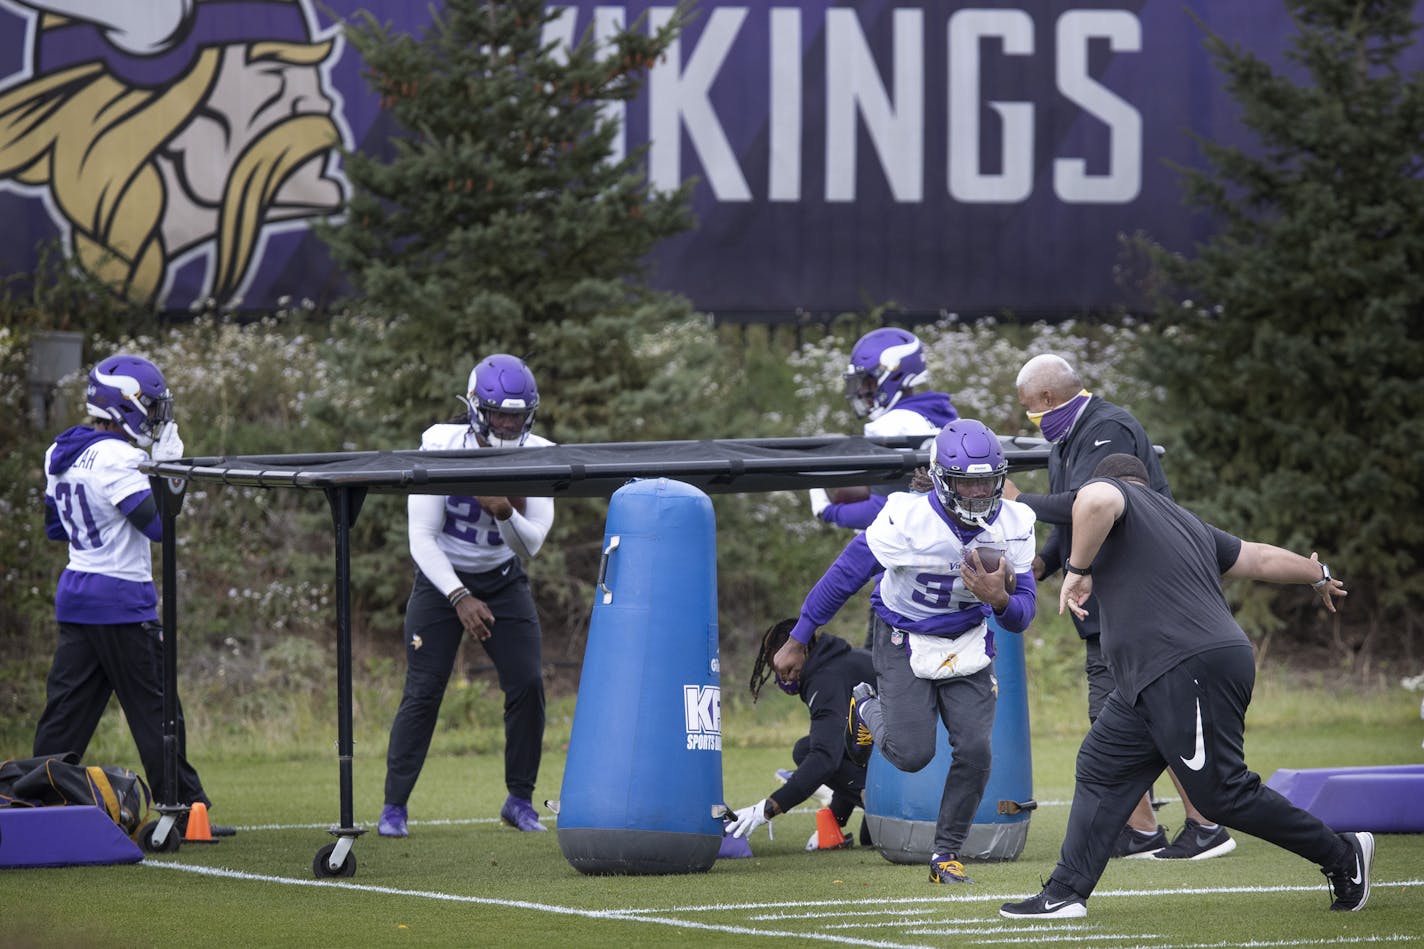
990	557
849	495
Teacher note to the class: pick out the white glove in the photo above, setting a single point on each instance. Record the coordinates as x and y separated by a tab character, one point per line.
820	500
814	843
749	819
169	446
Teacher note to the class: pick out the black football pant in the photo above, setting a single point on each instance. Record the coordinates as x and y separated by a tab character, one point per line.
1194	718
93	662
432	640
847	782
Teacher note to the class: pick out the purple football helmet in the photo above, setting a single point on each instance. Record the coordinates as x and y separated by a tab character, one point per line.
968	467
883	364
131	391
502	399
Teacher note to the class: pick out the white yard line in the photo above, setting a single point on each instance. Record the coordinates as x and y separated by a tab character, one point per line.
990	931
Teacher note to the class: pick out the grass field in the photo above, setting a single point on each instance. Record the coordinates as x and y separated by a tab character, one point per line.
463	879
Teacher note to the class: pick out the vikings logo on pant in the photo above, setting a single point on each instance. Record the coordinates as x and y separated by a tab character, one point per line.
160	131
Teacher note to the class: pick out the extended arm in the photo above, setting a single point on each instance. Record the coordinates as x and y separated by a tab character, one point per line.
1278	565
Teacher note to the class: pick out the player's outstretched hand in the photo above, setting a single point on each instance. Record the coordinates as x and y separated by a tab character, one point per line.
749	819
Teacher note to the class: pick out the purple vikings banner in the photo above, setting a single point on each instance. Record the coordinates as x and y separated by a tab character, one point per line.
934	156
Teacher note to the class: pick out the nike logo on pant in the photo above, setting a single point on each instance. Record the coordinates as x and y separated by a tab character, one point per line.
1198	758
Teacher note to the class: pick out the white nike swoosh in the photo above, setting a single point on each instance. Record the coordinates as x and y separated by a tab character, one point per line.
1359	874
1198	759
1101	442
812	700
1051	906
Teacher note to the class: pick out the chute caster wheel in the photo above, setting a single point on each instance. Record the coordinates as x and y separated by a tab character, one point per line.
322	868
170	844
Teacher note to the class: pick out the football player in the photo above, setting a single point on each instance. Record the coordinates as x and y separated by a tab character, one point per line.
470	578
933	648
886	366
110	641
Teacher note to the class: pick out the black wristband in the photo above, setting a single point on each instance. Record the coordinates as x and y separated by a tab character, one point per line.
1080	571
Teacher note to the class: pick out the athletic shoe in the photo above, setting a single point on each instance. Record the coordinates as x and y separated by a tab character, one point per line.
392	822
946	868
858	740
1350	881
1195	842
1044	907
1134	846
520	814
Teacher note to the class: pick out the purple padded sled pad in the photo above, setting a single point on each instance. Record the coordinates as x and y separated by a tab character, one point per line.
76	835
1386	799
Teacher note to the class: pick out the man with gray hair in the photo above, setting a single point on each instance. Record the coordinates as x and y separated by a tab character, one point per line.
1084	430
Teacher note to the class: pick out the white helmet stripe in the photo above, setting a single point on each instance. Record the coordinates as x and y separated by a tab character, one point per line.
890	356
128	385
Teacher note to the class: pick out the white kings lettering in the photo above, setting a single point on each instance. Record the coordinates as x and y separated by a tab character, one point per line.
894	120
702	714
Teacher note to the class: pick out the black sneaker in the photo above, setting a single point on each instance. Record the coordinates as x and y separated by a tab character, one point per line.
1197	843
1134	845
858	740
1043	906
1350	882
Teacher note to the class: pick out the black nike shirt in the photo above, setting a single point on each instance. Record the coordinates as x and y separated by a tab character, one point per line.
1157	580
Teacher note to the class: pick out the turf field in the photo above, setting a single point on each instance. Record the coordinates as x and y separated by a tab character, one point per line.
463	879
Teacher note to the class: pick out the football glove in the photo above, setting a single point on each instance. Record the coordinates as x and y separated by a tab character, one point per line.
820	500
749	819
169	446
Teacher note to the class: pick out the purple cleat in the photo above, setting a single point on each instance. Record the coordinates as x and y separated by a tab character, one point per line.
520	814
392	823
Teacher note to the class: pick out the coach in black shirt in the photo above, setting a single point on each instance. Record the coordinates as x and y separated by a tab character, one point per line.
1185	672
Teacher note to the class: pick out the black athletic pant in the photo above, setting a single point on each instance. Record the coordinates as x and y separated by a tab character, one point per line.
847	782
92	662
432	639
1194	718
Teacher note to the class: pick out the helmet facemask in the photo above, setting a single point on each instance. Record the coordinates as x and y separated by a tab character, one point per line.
973	498
502	426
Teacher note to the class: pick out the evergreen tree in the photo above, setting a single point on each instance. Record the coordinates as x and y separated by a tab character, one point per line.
496	220
1293	339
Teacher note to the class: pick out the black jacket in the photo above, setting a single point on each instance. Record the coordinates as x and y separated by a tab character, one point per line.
1103	429
832	669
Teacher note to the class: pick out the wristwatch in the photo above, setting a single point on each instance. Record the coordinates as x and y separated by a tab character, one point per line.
1325	578
1080	571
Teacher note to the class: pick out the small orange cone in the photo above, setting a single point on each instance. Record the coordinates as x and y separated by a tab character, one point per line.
199	831
828	831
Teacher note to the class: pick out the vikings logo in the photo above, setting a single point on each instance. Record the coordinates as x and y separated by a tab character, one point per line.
158	131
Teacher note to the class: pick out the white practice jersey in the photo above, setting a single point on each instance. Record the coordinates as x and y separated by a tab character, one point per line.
87	495
900	422
449	533
922	555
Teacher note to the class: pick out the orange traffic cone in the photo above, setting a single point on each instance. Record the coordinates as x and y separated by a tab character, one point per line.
199	831
828	832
